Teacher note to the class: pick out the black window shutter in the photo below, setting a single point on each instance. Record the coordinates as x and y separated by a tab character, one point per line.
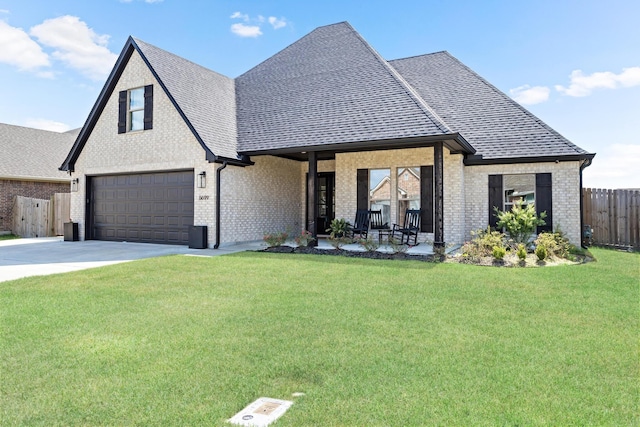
122	111
148	107
543	200
363	189
495	198
426	199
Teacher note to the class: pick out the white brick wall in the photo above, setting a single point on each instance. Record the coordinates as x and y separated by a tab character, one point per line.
347	165
170	145
565	188
260	199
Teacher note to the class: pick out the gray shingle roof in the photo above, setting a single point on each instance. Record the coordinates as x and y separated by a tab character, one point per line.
496	125
329	87
206	97
33	154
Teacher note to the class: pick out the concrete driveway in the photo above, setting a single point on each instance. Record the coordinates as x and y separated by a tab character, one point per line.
49	255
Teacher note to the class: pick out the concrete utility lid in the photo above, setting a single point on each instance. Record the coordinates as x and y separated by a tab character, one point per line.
261	413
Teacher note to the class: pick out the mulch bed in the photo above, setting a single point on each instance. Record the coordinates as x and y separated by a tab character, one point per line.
352	254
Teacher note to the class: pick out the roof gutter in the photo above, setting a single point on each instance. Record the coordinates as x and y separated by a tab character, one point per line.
218	203
478	160
585	164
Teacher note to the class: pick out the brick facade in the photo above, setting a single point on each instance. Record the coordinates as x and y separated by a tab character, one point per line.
271	195
36	189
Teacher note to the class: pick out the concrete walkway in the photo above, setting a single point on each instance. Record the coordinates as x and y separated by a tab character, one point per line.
50	255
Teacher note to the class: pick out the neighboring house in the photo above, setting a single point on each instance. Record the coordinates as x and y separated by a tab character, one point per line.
29	166
302	138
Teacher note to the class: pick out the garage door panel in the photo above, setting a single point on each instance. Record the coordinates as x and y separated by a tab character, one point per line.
156	208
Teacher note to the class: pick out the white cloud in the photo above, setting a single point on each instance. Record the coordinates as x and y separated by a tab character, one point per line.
18	49
46	124
243	30
246	30
527	95
583	85
614	168
277	23
4	11
238	15
77	45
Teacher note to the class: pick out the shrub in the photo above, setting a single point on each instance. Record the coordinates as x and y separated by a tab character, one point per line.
555	244
338	228
499	252
541	252
339	242
482	244
522	251
397	247
369	244
520	222
275	239
304	238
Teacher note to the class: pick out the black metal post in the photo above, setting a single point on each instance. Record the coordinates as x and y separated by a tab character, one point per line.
312	202
438	160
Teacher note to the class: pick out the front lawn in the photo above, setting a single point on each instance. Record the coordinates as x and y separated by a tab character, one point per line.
191	341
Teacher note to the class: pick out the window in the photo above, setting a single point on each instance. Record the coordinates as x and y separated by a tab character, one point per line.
408	190
519	189
536	189
135	109
380	192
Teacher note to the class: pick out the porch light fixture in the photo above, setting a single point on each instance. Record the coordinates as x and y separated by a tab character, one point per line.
202	179
74	185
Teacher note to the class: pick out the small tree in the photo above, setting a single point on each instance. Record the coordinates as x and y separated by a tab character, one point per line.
520	222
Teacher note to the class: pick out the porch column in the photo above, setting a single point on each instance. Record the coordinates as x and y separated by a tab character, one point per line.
312	202
438	202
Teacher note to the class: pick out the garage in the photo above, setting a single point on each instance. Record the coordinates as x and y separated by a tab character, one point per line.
143	207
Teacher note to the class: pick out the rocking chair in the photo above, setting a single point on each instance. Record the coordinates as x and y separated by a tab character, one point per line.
409	230
360	225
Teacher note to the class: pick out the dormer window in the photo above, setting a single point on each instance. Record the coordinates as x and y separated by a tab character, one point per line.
135	109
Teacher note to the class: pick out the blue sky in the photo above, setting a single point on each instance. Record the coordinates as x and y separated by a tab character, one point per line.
574	64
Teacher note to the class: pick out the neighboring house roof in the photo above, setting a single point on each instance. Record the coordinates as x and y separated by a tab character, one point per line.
331	91
33	154
496	125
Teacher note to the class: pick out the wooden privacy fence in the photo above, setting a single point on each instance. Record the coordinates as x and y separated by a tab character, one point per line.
41	217
614	216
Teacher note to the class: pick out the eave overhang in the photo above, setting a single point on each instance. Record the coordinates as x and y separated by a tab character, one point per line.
454	142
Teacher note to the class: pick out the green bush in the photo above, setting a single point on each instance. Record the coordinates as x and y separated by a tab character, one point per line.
541	252
555	243
370	244
338	228
520	222
482	244
522	251
275	239
499	252
304	238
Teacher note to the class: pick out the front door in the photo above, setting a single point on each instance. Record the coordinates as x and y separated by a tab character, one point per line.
325	195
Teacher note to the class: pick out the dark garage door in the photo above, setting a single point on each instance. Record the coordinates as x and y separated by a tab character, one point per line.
146	207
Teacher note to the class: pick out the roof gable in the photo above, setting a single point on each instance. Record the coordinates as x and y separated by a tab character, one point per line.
204	99
329	87
496	126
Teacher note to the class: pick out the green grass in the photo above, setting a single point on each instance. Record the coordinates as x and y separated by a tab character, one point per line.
191	341
8	236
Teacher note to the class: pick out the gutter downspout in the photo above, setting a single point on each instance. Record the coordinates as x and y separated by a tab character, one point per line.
218	170
585	164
